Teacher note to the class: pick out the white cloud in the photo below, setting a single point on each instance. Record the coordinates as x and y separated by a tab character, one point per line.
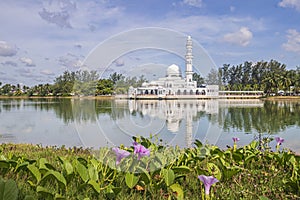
293	41
241	37
7	49
27	61
195	3
58	12
47	72
232	8
119	62
9	63
290	3
70	61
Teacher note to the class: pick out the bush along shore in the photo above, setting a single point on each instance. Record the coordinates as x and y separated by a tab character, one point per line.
150	170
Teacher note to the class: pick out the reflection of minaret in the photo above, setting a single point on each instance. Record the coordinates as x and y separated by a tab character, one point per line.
189	130
188	60
173	112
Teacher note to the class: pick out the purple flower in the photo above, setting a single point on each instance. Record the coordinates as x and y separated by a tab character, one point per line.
235	139
279	140
120	153
140	150
207	181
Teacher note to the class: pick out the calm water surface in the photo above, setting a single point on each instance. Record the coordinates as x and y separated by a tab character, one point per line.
97	123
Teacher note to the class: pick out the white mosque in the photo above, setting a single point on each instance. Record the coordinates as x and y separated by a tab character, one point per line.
174	86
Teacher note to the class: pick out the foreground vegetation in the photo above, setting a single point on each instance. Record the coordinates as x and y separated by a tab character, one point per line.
149	170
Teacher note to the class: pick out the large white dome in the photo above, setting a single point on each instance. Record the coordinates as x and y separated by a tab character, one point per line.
173	70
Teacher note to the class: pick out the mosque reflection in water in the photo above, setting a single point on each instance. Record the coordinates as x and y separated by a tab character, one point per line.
174	112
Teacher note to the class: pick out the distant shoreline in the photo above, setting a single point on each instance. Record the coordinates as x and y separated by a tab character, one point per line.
276	98
273	98
57	97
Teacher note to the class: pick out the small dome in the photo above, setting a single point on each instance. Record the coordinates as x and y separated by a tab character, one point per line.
173	70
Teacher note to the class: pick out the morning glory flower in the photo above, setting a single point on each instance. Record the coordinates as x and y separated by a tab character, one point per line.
279	140
235	139
140	150
208	181
120	153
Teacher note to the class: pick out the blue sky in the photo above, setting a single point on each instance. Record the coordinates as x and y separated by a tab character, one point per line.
41	39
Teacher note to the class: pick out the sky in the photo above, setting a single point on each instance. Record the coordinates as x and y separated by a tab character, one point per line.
41	39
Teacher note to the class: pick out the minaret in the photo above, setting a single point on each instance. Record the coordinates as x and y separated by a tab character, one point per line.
189	61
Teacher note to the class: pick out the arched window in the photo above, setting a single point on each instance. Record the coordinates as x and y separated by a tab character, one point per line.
178	92
146	92
184	92
191	92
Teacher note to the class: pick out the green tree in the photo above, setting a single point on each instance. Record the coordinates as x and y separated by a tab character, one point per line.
213	77
115	77
63	85
199	79
104	87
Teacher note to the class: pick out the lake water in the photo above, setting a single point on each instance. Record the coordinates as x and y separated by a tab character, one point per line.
97	123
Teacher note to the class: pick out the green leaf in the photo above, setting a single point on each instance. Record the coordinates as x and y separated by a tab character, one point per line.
249	158
68	167
21	166
214	170
29	197
109	193
145	176
117	190
229	172
59	197
58	177
4	164
181	169
42	165
8	190
93	174
131	180
169	176
35	172
198	143
44	191
94	162
95	185
254	144
237	156
179	191
2	157
82	171
263	198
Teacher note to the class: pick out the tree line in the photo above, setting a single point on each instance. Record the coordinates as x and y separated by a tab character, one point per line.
87	83
270	77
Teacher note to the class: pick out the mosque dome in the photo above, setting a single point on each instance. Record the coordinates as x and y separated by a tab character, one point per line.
173	71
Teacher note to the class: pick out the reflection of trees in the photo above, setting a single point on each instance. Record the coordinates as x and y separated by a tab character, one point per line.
119	109
271	118
9	105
